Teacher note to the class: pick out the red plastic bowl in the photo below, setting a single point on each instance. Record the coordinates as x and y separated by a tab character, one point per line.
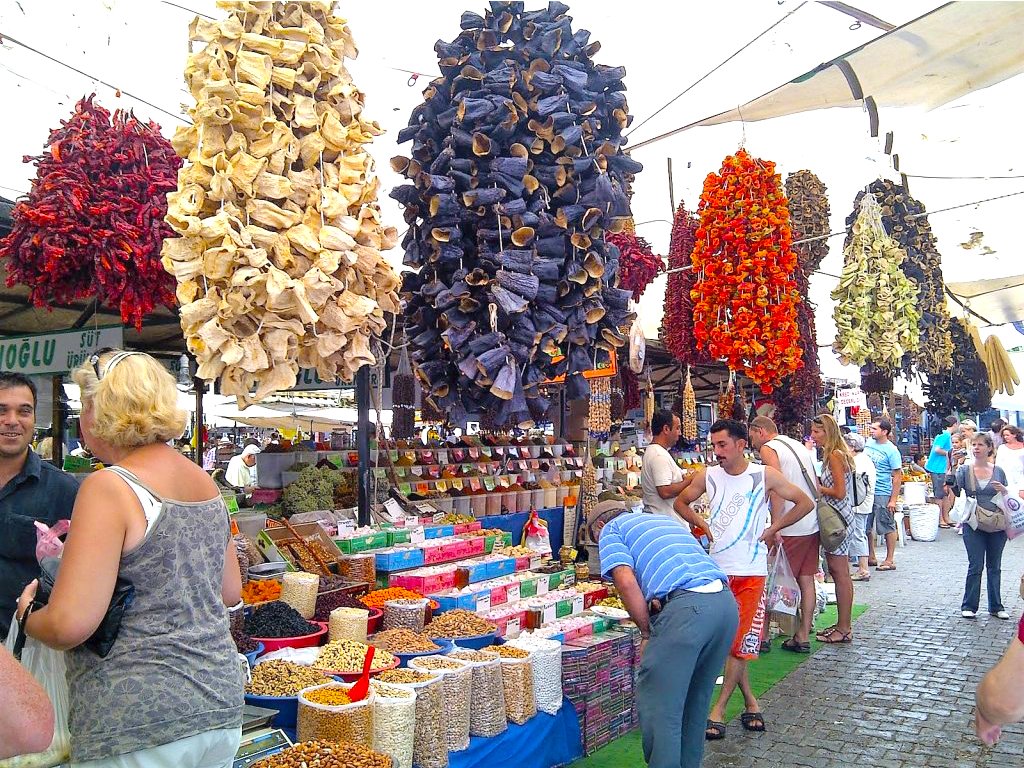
305	641
351	677
373	621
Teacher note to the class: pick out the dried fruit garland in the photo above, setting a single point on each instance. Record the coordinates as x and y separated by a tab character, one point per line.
638	265
963	388
677	320
517	173
809	212
93	221
278	262
875	313
745	297
905	220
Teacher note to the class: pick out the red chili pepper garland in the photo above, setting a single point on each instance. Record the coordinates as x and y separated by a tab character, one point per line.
638	265
92	224
677	322
745	297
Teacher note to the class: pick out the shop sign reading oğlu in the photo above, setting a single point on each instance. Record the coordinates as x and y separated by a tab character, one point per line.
54	353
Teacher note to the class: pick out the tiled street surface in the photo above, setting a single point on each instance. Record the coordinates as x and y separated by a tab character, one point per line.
903	693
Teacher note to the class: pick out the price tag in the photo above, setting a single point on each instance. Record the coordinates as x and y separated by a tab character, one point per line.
499	450
232	504
380	473
534	464
514	592
569	578
577	604
543	585
489	483
513	451
535	563
404	488
514	627
549	614
441	485
394	510
504	481
416	471
483	602
457	484
486	451
474	453
422	488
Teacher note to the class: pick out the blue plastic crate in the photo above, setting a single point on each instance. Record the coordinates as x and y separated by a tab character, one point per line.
438	531
398	561
504	567
451	602
476	571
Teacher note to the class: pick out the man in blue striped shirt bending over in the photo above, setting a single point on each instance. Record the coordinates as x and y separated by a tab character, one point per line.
687	618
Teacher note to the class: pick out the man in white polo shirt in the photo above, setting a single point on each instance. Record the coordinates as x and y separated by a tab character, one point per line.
661	479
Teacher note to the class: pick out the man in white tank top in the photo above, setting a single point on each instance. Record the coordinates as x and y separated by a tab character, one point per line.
800	539
738	492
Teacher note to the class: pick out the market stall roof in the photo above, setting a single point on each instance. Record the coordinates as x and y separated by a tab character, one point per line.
957	48
667	374
272	418
996	301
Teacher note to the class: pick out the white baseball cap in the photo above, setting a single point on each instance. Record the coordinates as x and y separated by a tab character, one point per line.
250	450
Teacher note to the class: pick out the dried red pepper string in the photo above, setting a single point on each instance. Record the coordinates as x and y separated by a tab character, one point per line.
92	223
638	266
677	321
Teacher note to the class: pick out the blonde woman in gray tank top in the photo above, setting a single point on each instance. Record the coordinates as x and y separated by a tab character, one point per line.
169	692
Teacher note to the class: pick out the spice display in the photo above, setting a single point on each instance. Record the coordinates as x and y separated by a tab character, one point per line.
299	590
518	172
906	222
599	422
348	624
404	676
394	722
875	314
677	321
404	641
262	591
278	259
745	298
797	396
377	598
406	613
965	387
403	399
546	656
487	715
457	679
517	682
349	655
459	623
808	214
328	602
327	713
282	678
278	619
1002	375
430	747
689	417
638	266
92	224
511	652
324	754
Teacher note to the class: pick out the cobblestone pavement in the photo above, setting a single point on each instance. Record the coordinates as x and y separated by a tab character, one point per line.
903	693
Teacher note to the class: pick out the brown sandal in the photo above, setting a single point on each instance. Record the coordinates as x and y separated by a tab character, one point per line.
829	637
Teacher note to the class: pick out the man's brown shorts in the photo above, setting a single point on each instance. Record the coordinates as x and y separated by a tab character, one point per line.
803	554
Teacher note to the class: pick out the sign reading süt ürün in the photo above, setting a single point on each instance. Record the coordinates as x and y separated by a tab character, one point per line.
54	353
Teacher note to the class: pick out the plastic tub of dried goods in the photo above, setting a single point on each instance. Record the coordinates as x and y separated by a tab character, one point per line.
494	503
373	620
444	647
475	642
287	708
303	641
253	655
464	505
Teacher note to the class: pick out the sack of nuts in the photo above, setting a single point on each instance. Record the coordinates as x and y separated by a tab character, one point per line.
327	713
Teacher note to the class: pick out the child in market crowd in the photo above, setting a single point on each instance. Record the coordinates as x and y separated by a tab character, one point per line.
169	691
738	492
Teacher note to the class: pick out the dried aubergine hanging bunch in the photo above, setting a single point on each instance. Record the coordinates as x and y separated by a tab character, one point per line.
517	172
278	258
797	398
403	400
876	380
745	298
808	211
905	220
93	222
677	320
638	265
965	386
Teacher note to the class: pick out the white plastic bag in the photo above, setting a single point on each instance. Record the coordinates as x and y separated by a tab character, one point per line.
783	588
1010	502
535	534
47	666
48	543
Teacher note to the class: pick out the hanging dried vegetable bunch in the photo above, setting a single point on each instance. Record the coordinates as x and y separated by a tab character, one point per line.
278	262
690	431
638	265
649	401
588	487
630	389
910	412
517	173
965	387
1001	373
797	398
677	321
809	212
875	379
905	220
403	400
875	314
745	298
92	224
618	404
600	421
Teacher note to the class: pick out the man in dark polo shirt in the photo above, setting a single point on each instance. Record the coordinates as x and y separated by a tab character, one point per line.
30	490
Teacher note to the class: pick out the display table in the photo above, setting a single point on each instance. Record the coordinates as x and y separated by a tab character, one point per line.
514	524
545	741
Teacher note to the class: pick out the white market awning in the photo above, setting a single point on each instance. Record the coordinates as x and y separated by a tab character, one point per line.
996	301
